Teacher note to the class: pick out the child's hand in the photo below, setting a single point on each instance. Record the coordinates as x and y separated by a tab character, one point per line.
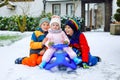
50	44
65	42
85	65
42	51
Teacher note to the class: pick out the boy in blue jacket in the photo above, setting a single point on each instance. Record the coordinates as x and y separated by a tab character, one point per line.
37	48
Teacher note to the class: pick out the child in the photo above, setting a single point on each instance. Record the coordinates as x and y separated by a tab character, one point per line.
79	43
56	36
36	45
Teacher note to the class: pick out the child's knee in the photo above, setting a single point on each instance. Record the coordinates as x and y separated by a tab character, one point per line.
39	60
33	63
33	59
30	61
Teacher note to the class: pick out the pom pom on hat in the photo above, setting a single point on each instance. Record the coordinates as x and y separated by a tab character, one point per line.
73	24
56	19
44	20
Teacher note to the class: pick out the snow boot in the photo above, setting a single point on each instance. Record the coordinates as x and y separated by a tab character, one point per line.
42	64
18	61
99	59
77	60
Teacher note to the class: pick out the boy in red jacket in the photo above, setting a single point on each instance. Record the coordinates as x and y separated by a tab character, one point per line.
79	44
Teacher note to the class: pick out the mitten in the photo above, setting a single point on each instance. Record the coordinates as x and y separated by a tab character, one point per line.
85	65
42	52
65	42
50	43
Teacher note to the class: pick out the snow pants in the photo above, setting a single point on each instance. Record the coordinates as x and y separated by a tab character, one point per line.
33	60
92	60
49	52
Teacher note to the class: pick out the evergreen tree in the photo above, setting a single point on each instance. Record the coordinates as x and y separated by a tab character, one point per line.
117	14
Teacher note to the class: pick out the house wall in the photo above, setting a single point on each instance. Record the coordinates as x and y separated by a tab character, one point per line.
114	7
63	7
78	11
36	7
30	8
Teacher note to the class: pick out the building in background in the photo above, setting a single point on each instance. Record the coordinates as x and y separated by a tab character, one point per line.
94	13
64	7
30	7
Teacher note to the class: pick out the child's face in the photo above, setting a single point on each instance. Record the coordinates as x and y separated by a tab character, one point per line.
45	26
69	30
55	26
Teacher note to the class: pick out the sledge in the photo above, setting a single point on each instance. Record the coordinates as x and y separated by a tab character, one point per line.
61	58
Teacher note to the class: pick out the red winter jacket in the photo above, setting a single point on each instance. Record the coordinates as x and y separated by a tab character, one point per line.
83	47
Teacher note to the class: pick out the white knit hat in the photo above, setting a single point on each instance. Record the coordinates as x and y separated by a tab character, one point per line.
55	19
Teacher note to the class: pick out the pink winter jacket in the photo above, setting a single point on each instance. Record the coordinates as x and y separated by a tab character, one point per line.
56	37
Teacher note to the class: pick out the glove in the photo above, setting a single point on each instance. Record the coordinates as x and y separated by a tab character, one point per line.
42	52
50	44
65	42
85	65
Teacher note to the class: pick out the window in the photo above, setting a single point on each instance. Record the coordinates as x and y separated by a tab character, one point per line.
56	9
70	9
20	0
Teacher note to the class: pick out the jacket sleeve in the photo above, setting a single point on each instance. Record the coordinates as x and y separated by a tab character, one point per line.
34	43
65	37
84	48
48	40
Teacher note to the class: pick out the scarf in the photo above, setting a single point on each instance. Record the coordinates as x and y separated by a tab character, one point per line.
75	37
55	31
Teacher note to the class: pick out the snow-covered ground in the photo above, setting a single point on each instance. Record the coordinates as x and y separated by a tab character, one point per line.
8	42
101	44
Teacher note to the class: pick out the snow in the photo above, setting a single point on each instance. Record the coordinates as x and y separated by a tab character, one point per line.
101	44
11	33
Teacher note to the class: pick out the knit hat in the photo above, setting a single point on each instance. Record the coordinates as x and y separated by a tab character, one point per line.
55	19
44	20
73	24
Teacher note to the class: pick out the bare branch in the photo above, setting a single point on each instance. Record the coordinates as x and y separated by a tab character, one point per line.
5	2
